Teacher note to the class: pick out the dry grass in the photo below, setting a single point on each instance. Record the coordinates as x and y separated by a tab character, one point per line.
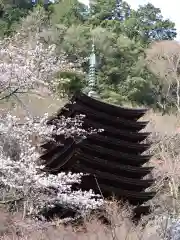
166	161
166	141
120	228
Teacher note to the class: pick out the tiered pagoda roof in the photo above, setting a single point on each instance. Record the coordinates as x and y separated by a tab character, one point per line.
114	158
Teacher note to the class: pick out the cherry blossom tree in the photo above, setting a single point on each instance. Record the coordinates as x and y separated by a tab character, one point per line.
25	64
20	170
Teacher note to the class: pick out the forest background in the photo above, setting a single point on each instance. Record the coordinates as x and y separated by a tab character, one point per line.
137	57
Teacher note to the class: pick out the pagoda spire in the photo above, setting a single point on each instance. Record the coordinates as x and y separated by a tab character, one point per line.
91	87
92	81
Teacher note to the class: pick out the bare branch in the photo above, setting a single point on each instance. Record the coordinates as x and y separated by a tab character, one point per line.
163	59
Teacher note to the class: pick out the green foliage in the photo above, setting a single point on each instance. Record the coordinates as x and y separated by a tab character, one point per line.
67	12
77	40
120	45
10	14
147	24
70	82
121	72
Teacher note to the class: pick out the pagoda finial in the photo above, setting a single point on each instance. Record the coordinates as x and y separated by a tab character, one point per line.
91	79
92	73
